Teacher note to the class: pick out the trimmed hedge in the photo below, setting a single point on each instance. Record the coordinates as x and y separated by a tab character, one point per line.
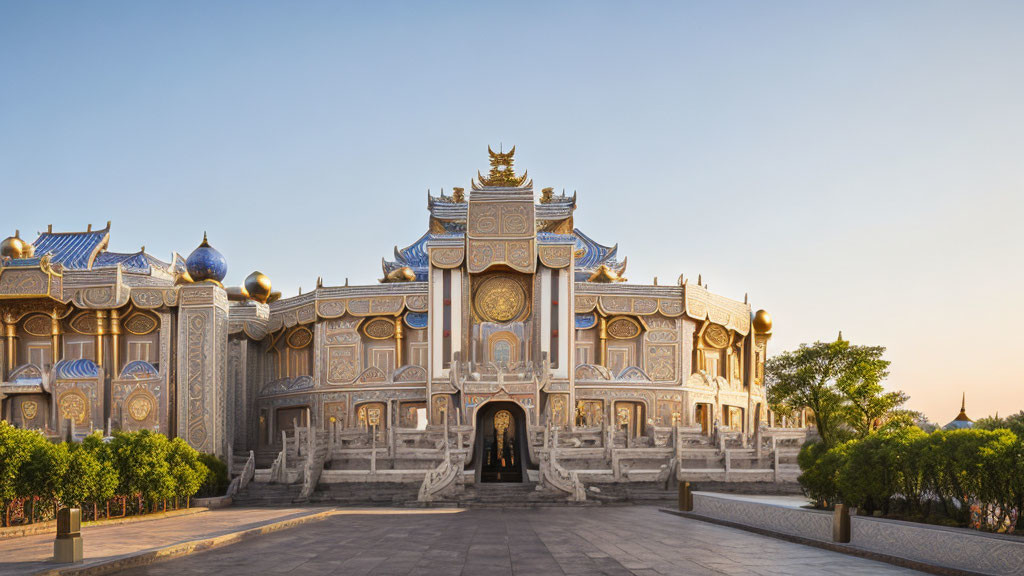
139	467
963	477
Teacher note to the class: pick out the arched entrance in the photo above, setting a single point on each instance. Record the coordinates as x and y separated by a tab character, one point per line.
501	451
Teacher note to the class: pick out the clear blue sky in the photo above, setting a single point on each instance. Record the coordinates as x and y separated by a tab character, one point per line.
853	166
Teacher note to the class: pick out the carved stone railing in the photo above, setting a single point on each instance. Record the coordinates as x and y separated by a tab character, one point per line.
238	483
446	479
279	469
555	476
316	455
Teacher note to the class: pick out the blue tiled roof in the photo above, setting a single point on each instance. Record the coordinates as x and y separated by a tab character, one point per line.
79	369
139	370
414	256
416	319
959	425
138	263
590	255
587	320
552	238
27	262
26	375
71	250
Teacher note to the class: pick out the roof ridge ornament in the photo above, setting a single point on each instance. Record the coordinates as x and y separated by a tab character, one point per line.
502	173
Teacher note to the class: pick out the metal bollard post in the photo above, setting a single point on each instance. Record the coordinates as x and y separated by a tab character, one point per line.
67	547
841	524
685	497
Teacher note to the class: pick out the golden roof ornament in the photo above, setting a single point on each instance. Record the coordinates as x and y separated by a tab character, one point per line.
962	416
458	195
762	322
403	274
605	275
258	286
546	195
502	173
13	246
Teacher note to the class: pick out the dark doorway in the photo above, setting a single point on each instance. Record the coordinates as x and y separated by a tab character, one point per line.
501	443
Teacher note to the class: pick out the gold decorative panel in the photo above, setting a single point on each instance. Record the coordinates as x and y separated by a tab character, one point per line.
84	323
380	328
716	336
74	406
299	337
140	405
29	409
140	323
500	299
447	256
342	363
38	325
623	328
555	256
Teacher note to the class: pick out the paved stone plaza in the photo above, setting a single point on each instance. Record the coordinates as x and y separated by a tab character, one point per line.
103	543
493	542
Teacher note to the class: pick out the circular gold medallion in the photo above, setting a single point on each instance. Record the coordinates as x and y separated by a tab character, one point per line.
499	299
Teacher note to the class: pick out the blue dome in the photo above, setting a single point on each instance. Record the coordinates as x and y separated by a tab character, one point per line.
206	263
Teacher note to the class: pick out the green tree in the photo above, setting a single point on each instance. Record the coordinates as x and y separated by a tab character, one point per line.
185	468
82	474
216	481
819	465
1014	423
842	386
42	475
106	480
140	459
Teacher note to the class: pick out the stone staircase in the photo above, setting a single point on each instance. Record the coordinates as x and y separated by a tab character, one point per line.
238	460
519	495
267	495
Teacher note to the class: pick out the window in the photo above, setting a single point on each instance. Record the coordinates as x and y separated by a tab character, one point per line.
383	358
39	355
711	363
76	349
298	362
502	353
583	354
139	351
418	351
619	358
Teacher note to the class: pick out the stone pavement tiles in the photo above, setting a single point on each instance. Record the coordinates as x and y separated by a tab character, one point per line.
29	554
497	542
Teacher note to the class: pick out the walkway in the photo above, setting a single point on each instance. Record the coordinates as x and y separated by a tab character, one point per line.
30	554
495	542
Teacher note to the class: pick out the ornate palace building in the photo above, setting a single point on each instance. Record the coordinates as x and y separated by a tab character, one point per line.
503	324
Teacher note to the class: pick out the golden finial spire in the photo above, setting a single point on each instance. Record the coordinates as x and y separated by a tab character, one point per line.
502	173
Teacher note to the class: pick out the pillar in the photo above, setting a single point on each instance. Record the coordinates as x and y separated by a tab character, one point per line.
11	337
101	329
602	341
202	367
55	336
399	334
115	342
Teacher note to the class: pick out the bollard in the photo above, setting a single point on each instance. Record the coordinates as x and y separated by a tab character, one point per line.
67	548
841	524
685	497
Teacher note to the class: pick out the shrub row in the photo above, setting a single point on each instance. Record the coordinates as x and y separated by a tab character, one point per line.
967	477
140	466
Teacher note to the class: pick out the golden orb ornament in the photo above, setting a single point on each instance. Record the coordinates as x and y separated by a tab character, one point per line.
237	293
762	322
13	247
258	286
